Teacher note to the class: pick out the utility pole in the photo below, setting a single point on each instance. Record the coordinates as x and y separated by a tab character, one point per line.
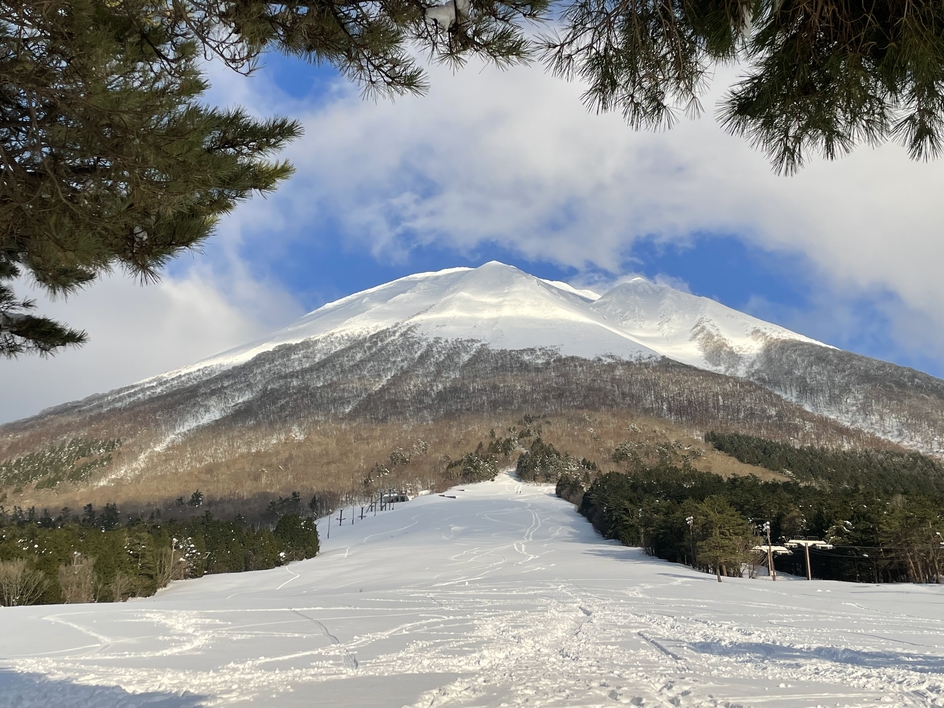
690	520
806	543
770	555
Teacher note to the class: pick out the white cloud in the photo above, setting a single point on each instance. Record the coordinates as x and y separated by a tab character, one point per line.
513	158
138	331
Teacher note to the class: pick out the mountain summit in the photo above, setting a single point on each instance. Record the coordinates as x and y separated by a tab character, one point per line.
500	344
508	309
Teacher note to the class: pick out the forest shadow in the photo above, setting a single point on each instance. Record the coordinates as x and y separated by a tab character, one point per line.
620	552
920	663
26	690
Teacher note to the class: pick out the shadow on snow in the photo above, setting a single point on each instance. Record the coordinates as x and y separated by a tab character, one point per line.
757	651
25	690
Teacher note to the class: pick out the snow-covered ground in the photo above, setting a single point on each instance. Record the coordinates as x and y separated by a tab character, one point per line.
502	596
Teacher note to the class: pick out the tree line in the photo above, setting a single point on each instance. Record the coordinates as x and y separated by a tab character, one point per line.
94	557
887	470
882	524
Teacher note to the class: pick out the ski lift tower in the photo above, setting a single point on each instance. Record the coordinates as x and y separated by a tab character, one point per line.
806	543
770	550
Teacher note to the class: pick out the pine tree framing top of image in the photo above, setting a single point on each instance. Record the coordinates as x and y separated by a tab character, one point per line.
110	160
108	157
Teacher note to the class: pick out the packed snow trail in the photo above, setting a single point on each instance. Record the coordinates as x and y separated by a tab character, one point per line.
493	598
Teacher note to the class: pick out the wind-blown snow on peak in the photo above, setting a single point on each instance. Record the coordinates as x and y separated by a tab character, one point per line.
507	308
495	303
689	328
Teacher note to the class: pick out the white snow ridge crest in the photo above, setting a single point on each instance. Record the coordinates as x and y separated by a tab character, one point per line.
506	308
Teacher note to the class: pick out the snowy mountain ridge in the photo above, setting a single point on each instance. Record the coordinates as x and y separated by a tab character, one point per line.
494	339
508	309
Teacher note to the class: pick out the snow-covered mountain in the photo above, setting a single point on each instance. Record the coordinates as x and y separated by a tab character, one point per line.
494	339
496	304
507	309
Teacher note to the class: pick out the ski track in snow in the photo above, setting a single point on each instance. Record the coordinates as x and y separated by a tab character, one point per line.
502	596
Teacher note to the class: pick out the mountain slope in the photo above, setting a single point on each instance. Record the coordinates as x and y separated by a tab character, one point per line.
690	329
894	402
496	341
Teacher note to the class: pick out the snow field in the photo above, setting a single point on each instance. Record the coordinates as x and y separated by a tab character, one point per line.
503	596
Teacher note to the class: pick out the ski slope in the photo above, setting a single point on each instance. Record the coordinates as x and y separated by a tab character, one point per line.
501	596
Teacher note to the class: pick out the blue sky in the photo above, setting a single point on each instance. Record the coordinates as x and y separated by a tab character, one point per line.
509	166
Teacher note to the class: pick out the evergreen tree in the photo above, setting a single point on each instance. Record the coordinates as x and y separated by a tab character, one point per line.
819	76
726	536
298	537
110	518
108	157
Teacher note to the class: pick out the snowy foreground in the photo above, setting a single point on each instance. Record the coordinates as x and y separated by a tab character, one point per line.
497	597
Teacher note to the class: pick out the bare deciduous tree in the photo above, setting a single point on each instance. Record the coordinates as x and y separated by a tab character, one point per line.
77	579
19	583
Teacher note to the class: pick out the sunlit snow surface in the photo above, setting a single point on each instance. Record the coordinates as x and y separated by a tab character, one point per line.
501	596
508	309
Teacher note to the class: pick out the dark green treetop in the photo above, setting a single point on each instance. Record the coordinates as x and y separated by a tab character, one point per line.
108	157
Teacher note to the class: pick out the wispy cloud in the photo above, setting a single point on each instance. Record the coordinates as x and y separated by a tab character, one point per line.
136	332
